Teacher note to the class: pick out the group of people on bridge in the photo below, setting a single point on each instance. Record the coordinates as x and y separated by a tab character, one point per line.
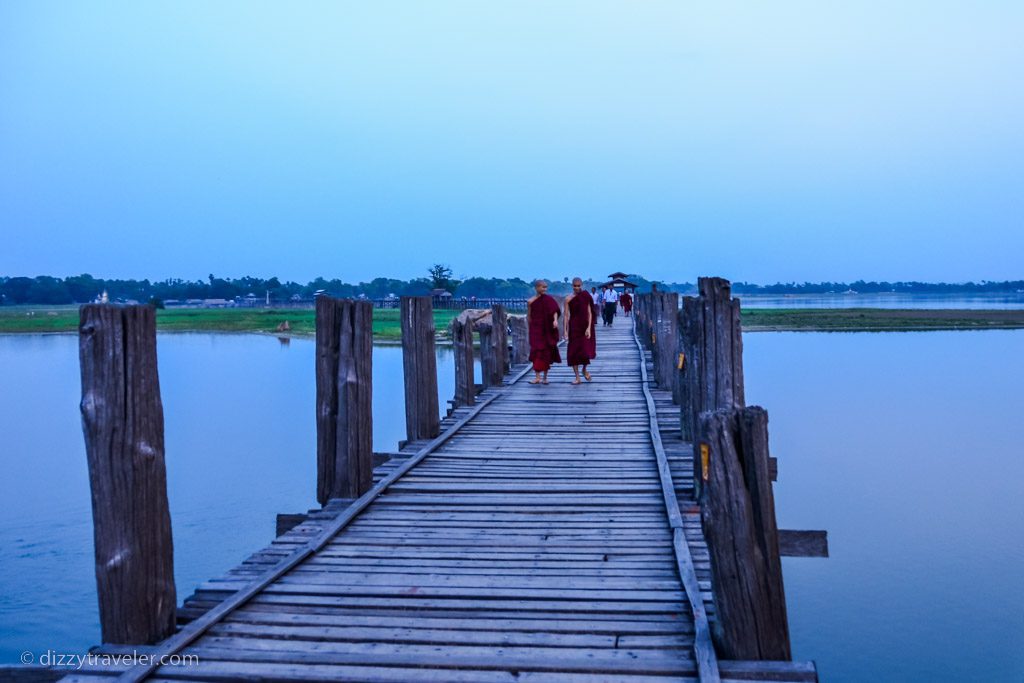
580	324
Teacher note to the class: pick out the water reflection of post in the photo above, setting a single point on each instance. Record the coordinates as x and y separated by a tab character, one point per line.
285	341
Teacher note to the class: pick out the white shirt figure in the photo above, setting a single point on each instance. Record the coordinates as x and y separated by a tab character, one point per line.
611	297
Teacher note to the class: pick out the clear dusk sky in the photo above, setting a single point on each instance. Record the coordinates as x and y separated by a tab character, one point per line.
760	141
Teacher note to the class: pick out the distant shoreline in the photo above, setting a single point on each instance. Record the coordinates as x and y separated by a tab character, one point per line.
387	329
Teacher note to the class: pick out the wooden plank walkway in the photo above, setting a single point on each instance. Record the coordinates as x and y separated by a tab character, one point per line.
530	542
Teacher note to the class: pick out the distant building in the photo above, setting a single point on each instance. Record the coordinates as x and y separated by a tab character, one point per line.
441	297
619	281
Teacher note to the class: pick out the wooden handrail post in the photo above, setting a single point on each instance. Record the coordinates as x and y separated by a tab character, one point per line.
665	341
488	361
713	346
639	316
520	339
419	363
723	342
462	338
691	336
499	339
738	517
123	424
344	415
646	314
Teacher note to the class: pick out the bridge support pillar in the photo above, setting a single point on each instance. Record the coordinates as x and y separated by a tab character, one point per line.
713	356
123	424
665	343
499	339
738	517
520	339
344	419
419	362
462	338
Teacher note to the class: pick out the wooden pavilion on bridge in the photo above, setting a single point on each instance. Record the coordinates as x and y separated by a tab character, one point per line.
619	281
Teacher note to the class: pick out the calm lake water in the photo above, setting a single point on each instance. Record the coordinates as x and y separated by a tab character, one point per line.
885	300
907	447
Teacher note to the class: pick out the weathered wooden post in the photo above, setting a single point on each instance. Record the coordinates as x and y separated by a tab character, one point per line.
639	301
419	362
499	339
715	353
462	338
123	424
520	339
690	331
723	344
344	416
488	361
654	313
666	342
738	516
643	318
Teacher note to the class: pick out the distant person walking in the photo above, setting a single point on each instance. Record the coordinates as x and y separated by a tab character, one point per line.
542	321
596	296
611	303
626	301
580	330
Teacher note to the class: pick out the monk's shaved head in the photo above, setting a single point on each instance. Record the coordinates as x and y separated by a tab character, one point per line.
541	286
576	279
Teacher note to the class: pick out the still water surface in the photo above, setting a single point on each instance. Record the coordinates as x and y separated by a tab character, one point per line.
905	446
1005	300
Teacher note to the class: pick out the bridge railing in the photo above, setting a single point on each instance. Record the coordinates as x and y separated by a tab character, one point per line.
697	353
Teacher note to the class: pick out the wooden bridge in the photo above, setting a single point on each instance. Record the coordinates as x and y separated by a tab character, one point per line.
546	533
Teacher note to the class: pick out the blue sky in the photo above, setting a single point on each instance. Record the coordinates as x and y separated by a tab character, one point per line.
758	141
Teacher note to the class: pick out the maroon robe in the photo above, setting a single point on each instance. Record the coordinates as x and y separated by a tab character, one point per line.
627	302
543	333
581	350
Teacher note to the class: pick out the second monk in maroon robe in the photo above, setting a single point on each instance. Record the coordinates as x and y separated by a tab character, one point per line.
581	313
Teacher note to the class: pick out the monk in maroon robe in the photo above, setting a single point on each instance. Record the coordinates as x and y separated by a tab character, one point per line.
580	330
542	319
626	301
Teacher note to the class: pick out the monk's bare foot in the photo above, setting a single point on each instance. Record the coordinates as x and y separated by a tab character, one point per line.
536	380
587	376
576	380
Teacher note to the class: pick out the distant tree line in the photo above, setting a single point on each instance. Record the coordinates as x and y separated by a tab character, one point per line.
45	289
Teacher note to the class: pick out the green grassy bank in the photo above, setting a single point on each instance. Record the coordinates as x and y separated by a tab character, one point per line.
386	326
386	322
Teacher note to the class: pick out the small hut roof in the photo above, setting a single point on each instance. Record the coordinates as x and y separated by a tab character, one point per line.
620	281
